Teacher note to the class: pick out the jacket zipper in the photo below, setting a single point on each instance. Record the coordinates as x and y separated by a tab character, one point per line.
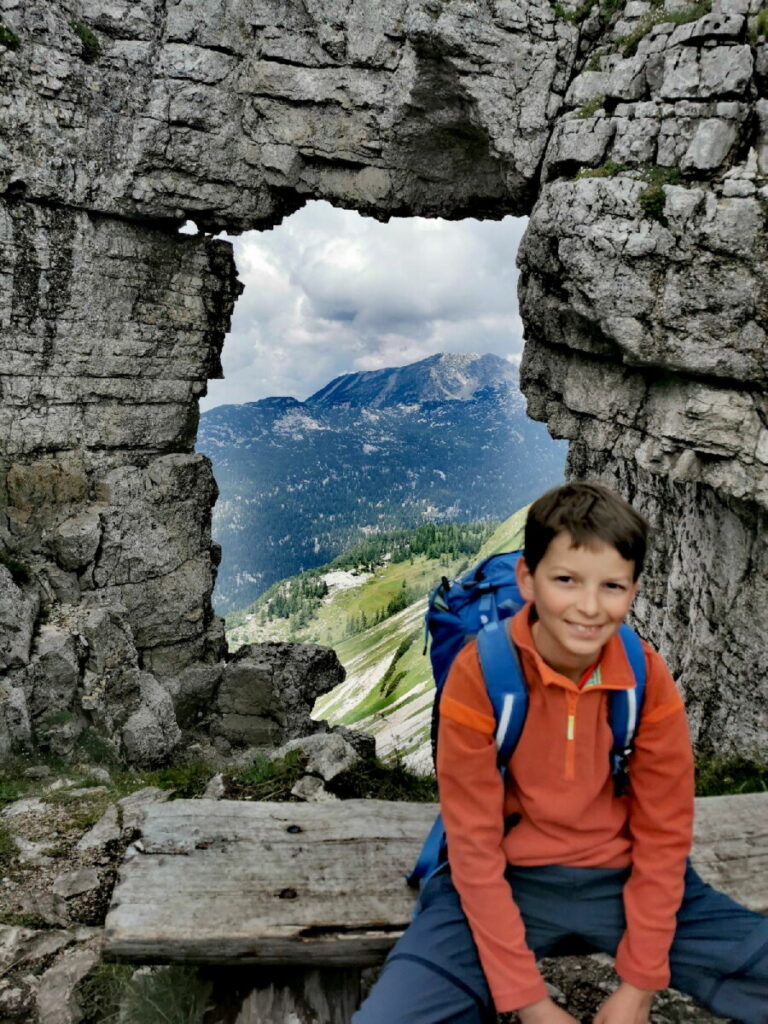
570	736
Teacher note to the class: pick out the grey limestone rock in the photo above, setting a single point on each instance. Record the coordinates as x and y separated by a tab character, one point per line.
15	729
19	606
268	690
57	998
77	540
328	754
151	733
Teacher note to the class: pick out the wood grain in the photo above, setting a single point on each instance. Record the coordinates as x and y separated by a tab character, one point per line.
228	882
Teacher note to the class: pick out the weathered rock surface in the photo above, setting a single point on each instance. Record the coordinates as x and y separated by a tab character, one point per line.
645	297
638	145
236	114
267	692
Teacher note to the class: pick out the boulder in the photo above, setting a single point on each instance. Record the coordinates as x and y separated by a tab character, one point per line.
19	608
267	691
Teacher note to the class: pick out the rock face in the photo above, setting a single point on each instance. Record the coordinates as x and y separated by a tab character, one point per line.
637	141
645	298
267	692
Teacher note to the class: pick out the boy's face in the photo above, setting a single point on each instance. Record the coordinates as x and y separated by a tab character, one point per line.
582	596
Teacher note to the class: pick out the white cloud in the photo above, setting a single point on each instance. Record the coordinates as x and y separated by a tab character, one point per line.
329	292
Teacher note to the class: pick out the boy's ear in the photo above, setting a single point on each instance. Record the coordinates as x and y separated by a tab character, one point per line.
524	579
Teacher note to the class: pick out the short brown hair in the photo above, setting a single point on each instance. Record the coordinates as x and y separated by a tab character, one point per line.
589	512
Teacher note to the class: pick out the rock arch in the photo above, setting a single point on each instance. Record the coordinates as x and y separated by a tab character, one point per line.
638	145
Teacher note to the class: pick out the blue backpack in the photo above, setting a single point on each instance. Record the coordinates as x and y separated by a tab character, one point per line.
475	606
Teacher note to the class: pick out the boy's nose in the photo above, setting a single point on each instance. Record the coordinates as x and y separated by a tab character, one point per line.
588	603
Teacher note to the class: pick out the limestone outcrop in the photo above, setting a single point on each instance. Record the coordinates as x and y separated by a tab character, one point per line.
637	139
645	298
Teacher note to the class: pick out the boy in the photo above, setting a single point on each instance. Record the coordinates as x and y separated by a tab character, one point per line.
554	862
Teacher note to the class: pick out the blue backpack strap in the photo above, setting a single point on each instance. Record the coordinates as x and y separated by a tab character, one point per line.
625	706
509	698
432	855
505	685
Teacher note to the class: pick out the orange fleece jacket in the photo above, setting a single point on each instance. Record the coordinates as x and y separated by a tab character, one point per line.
559	783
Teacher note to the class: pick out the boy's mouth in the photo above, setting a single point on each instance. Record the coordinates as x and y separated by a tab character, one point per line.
580	628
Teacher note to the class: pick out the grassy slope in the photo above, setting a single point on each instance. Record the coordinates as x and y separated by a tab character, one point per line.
394	702
391	701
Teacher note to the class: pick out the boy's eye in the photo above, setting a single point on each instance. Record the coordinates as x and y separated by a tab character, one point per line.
564	579
616	586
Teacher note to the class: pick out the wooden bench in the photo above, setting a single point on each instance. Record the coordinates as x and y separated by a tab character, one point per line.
308	895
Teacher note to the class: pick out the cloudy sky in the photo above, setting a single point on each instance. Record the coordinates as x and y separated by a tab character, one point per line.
330	292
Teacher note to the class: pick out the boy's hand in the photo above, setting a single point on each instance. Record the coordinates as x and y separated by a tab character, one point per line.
544	1012
627	1005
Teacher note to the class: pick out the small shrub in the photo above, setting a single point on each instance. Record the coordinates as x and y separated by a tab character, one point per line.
8	848
592	107
720	775
653	198
9	39
266	779
171	995
10	791
652	201
96	747
375	779
19	572
759	26
607	170
13	920
100	992
606	9
91	48
186	780
54	718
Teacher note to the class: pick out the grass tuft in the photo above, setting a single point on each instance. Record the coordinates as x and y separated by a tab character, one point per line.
10	41
91	47
113	993
8	848
653	198
97	748
607	170
377	780
266	779
758	26
186	780
20	573
716	776
10	919
591	108
628	44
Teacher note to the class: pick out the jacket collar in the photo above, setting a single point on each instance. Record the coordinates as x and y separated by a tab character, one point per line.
612	670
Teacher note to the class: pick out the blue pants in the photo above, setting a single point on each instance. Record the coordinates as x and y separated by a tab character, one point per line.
433	975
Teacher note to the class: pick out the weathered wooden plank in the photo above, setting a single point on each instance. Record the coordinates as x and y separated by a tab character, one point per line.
730	846
231	881
236	882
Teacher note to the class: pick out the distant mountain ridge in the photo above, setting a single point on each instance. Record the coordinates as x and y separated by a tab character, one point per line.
443	439
440	378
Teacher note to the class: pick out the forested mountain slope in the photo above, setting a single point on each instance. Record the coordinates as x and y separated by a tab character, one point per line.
445	439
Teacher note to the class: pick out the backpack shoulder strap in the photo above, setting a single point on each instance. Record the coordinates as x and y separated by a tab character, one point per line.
508	694
505	684
625	707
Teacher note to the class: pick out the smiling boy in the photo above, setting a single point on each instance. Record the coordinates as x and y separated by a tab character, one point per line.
552	861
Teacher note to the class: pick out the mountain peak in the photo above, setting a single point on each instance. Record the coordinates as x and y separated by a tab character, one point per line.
443	377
